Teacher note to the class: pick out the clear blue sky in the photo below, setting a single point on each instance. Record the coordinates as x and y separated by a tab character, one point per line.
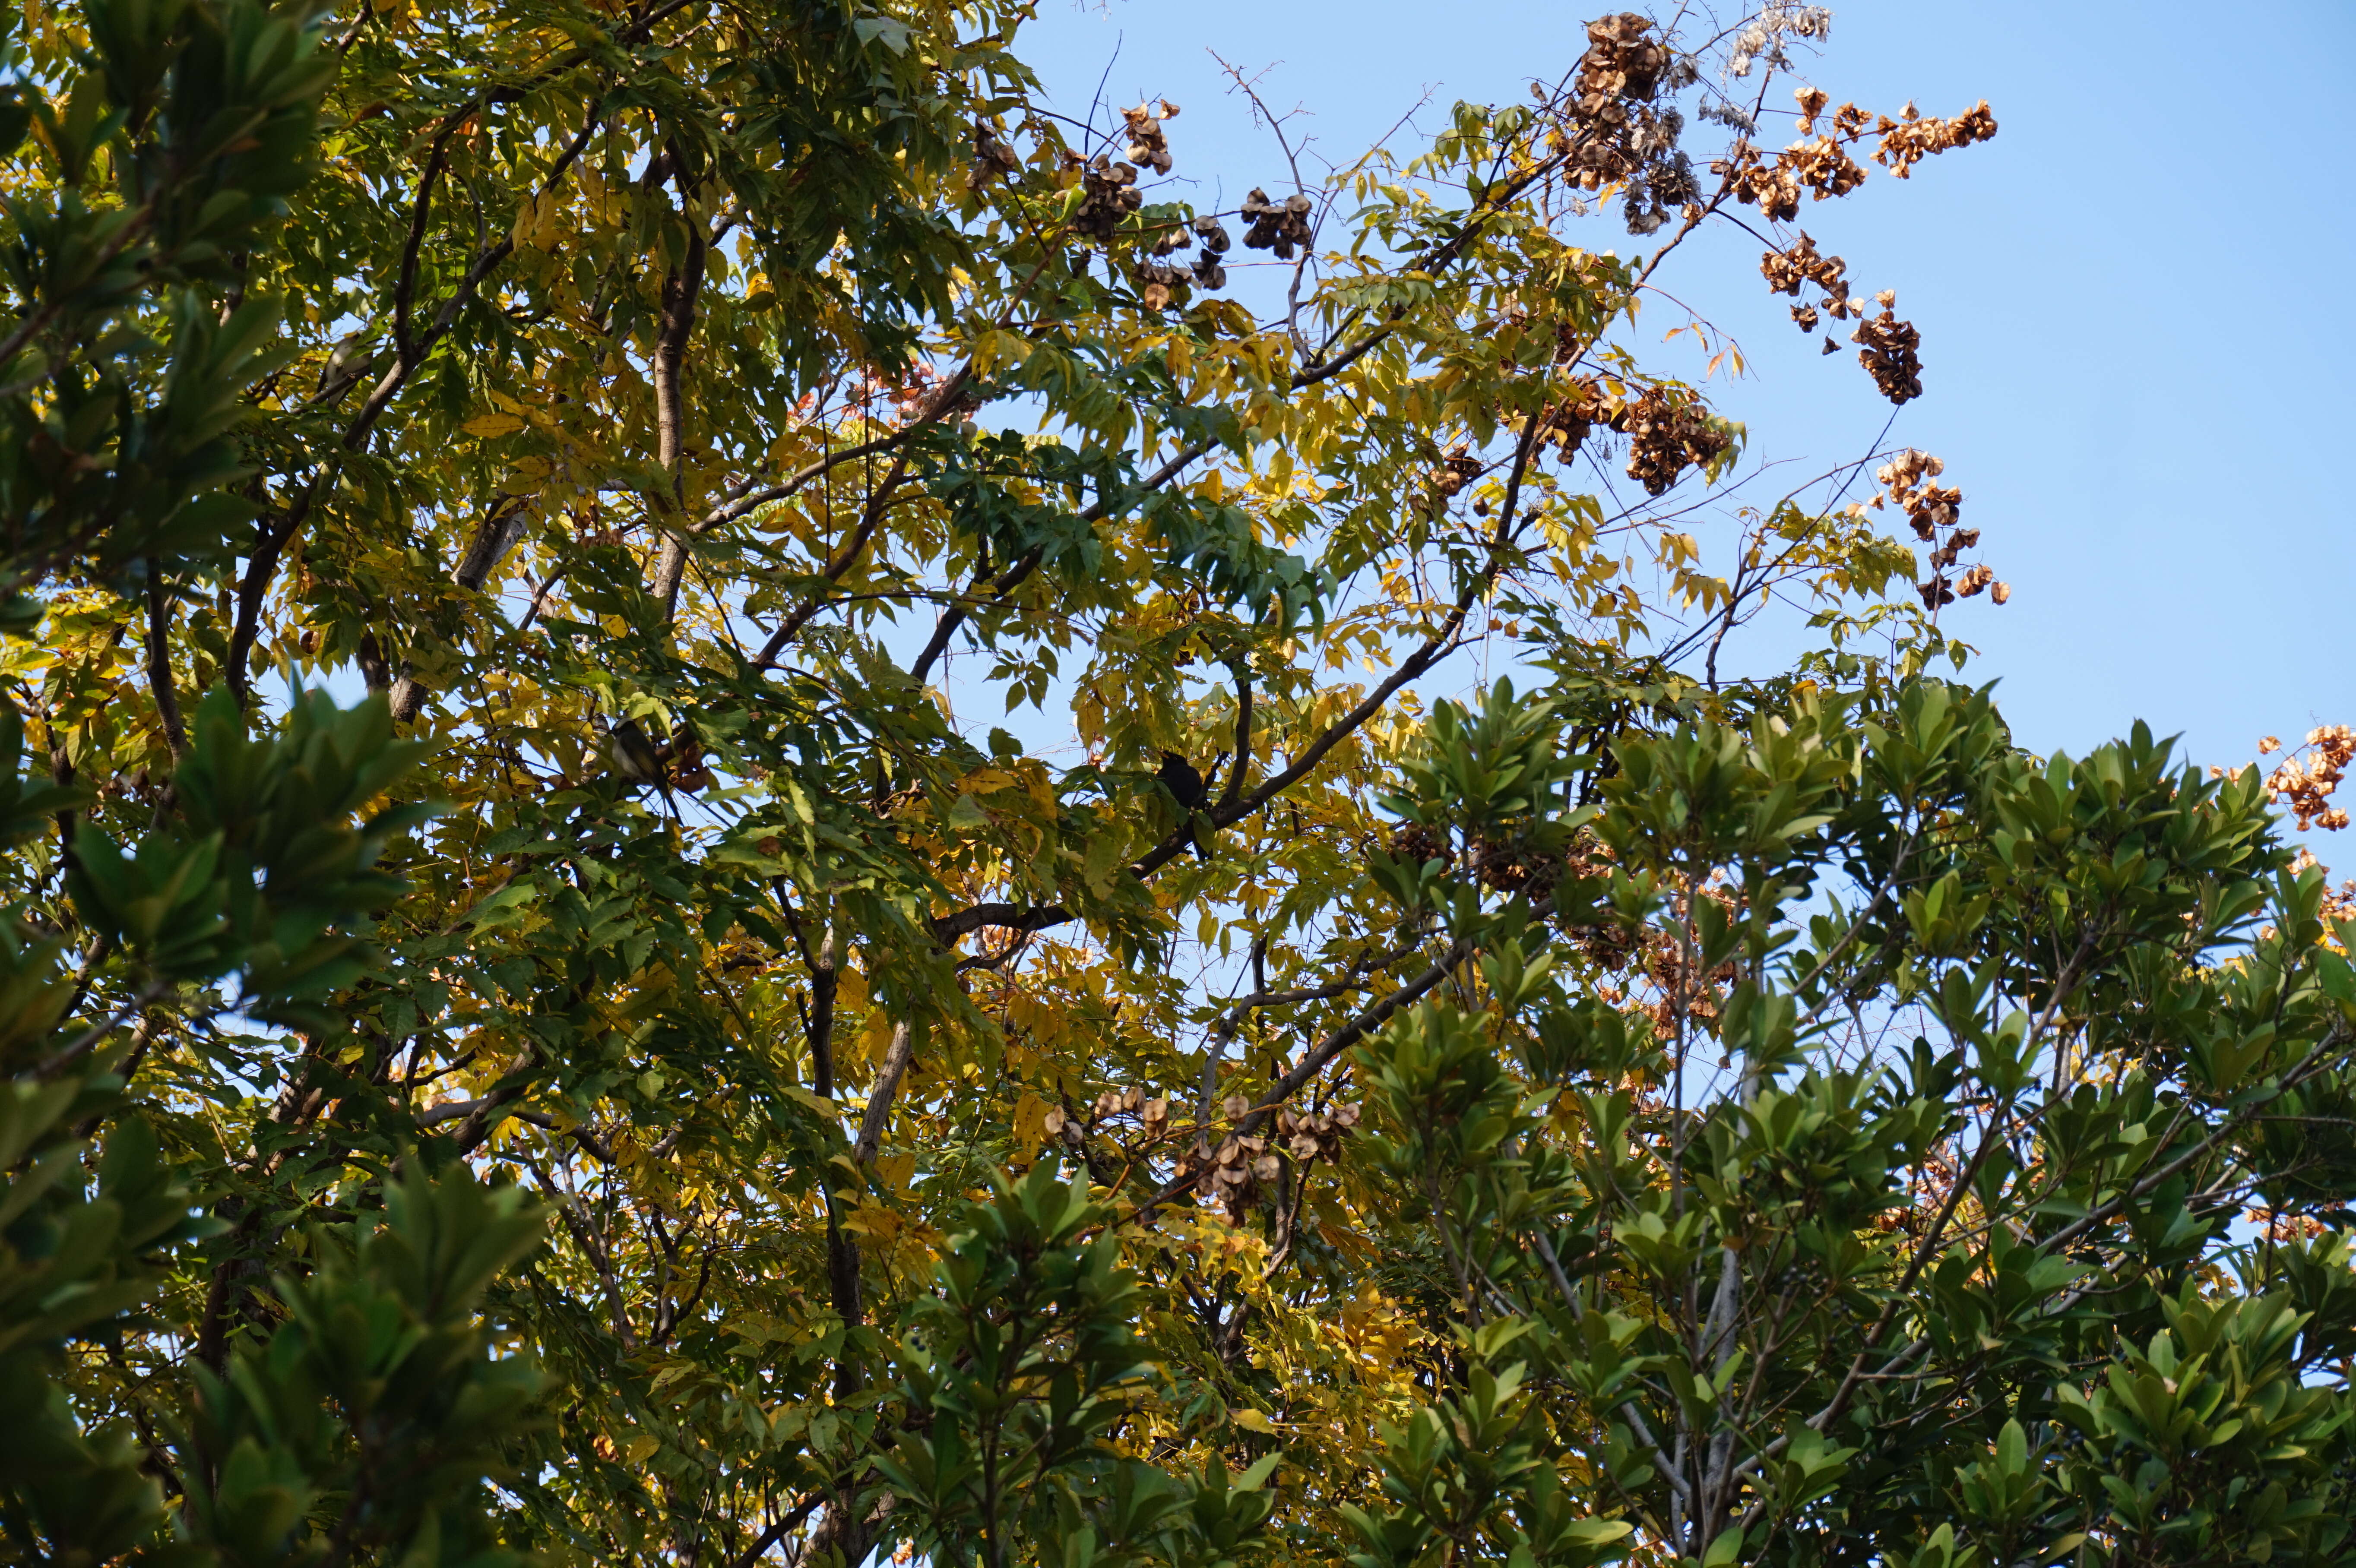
2135	303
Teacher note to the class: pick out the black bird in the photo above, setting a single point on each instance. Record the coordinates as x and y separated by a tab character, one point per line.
1187	788
1186	785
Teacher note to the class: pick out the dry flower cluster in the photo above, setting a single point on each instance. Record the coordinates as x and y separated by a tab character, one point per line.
1610	133
2307	777
1931	511
1763	39
2340	903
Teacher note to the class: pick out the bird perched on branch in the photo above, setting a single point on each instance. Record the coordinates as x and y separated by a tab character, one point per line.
1187	788
639	760
1184	785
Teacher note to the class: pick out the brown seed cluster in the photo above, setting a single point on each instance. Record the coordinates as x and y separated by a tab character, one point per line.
1890	350
690	773
2307	777
1159	276
1913	136
1511	868
991	158
1148	146
1790	269
1457	469
1152	1113
1316	1134
1210	271
1664	965
1931	511
1278	226
1235	1171
1667	433
1109	193
1569	419
2339	904
1419	845
1609	945
1822	166
1609	129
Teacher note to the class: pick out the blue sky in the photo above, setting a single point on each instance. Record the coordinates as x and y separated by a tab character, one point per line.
2133	303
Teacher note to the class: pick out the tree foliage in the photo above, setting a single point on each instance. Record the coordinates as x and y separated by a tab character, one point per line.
664	1077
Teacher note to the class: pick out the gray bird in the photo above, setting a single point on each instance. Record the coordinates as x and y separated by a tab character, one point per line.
347	363
637	759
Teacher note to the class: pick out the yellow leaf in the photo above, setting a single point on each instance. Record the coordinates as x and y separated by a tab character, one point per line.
487	425
1253	1421
819	1102
1030	1120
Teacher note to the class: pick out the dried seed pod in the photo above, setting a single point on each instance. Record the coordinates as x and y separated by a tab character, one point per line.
1420	846
1888	350
991	158
1148	146
1668	433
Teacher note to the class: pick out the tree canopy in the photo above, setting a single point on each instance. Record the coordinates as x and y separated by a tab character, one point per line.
909	953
